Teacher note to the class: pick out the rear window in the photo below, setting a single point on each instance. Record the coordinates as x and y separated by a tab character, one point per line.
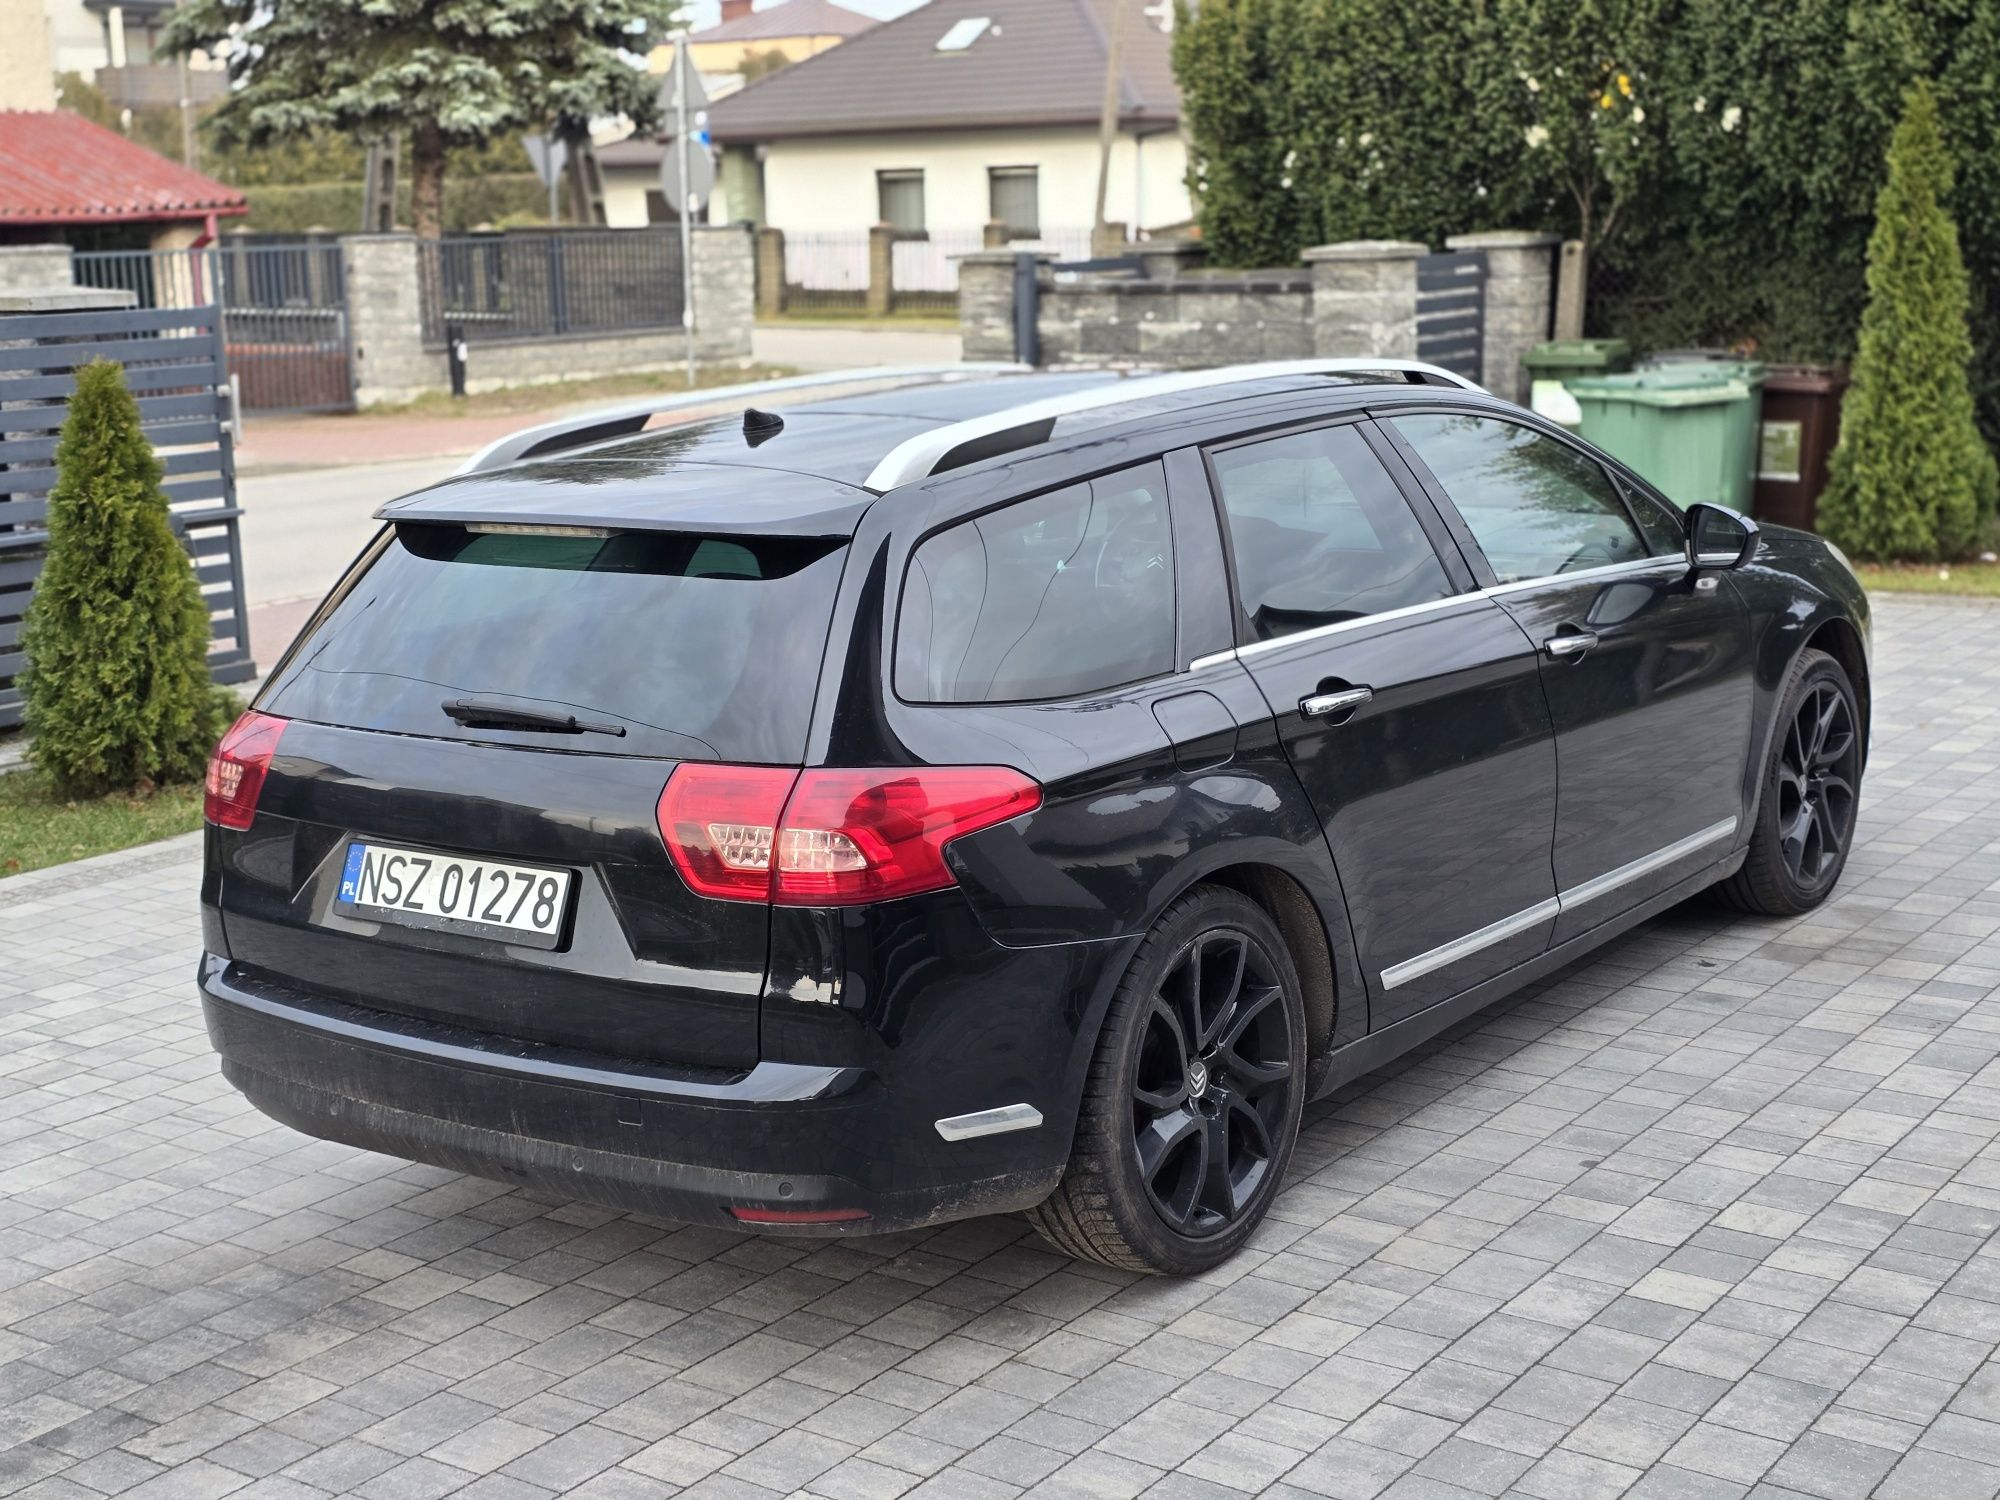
698	647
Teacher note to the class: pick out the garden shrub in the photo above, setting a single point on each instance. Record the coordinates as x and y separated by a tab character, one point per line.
1911	478
116	690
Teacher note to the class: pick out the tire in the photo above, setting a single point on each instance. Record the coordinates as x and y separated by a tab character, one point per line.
1214	963
1810	793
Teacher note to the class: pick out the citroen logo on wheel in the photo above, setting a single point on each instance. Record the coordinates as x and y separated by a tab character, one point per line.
1197	1078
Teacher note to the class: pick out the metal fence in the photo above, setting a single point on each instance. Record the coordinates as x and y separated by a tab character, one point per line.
284	306
543	284
174	366
1451	311
827	272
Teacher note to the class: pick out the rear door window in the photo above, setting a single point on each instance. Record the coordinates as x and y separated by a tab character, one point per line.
698	647
1536	506
1065	594
1320	533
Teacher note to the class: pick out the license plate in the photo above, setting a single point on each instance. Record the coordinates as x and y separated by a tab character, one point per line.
454	893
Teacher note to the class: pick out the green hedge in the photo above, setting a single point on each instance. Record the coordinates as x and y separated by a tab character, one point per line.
468	203
1723	156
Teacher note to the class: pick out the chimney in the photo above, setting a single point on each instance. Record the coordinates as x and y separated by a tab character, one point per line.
734	10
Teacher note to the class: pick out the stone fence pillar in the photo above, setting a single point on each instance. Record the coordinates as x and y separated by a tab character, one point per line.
1520	299
385	319
35	267
986	302
1365	298
725	290
882	269
770	272
1164	260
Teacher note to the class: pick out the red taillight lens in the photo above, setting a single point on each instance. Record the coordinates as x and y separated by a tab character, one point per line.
827	837
852	836
719	823
236	770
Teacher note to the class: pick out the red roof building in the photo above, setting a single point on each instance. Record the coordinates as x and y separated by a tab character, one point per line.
60	174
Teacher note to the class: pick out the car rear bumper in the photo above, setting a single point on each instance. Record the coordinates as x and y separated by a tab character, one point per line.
684	1145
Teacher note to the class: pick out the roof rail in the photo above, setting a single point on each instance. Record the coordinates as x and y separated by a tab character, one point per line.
1034	421
623	420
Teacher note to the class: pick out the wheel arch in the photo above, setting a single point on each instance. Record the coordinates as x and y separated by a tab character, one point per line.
1839	639
1298	919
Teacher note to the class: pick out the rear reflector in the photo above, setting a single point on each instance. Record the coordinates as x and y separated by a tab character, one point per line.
797	1215
829	837
237	767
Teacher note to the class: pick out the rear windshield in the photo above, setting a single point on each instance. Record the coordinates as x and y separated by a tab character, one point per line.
697	647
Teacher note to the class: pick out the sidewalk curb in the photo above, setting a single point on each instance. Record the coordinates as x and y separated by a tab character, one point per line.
16	890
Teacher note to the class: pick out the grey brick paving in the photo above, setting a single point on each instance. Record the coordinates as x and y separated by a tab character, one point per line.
1710	1214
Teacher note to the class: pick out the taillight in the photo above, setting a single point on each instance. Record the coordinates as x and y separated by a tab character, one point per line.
237	767
719	823
829	837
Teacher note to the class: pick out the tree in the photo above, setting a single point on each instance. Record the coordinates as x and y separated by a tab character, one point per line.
445	72
755	65
1911	477
1580	74
117	691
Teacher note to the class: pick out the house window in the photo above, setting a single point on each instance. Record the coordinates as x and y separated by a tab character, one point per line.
1014	199
902	199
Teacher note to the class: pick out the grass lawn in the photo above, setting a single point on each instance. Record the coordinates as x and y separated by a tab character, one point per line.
37	829
1979	579
540	398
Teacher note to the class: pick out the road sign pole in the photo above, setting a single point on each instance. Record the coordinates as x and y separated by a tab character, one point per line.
682	145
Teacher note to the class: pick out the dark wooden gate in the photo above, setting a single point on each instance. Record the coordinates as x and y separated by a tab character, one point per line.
1451	311
173	361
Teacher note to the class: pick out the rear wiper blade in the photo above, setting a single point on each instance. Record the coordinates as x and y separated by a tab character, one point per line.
479	713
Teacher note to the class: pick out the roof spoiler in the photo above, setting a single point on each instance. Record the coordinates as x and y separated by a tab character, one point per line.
960	443
629	417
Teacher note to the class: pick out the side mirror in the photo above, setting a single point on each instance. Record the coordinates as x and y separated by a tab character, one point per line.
1718	539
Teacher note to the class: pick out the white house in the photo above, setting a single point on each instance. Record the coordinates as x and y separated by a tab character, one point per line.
961	113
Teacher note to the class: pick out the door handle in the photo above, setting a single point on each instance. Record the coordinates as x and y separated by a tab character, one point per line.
1569	647
1325	705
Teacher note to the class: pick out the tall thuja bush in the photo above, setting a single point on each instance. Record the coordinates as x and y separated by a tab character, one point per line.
1227	58
1911	477
117	691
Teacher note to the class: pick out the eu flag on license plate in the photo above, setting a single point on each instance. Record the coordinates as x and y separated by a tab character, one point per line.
350	877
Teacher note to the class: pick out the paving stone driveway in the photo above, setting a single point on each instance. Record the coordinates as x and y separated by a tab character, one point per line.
1710	1212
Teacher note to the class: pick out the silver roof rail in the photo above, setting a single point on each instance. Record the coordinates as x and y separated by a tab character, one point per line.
629	417
921	456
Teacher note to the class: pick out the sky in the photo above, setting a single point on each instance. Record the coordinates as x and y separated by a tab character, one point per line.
707	12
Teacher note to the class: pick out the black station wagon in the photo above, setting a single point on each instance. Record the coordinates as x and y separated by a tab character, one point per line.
951	794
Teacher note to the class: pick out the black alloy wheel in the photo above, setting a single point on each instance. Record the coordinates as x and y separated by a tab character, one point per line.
1213	1083
1818	766
1803	828
1192	1103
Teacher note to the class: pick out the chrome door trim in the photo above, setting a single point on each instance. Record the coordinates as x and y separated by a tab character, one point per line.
1665	566
989	1122
1471	943
1575	896
1638	869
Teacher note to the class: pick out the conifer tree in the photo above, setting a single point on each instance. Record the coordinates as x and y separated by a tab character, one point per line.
1911	478
116	690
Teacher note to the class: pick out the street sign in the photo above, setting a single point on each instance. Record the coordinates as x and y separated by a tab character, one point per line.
548	153
670	95
701	172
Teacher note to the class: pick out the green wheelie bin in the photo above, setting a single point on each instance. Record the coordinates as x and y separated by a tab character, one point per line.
1688	427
